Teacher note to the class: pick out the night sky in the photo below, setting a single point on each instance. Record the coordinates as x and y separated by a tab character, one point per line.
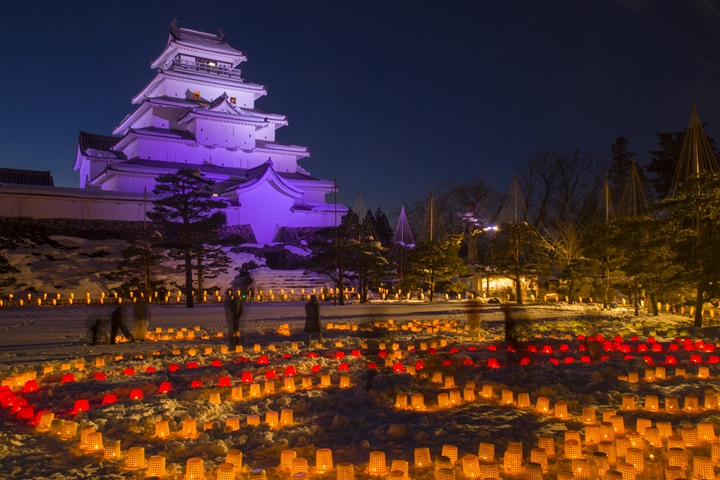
391	97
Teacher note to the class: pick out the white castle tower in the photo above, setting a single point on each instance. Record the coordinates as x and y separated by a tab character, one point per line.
198	112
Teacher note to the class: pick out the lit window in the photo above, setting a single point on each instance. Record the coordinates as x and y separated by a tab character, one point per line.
232	100
196	95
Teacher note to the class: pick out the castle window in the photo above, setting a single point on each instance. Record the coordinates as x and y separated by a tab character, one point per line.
196	95
232	100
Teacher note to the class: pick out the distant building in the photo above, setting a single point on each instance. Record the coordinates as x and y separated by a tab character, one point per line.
197	112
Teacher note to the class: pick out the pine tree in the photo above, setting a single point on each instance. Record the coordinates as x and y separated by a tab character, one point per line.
188	215
619	169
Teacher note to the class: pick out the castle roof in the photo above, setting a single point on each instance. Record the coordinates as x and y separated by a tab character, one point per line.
26	177
94	145
188	40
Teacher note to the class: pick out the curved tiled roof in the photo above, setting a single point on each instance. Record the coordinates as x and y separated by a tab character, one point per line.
104	143
26	177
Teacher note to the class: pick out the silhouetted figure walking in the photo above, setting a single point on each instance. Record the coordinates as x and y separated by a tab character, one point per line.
141	316
233	313
312	318
118	321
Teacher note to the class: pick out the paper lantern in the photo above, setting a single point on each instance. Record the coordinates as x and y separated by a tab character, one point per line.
112	450
214	398
286	458
665	429
633	377
487	391
254	389
634	456
162	429
136	394
715	452
561	410
512	461
271	419
445	474
608	448
377	464
441	462
226	471
344	381
671	404
600	462
653	468
135	458
489	470
234	458
253	420
450	451
507	397
533	471
547	444
46	418
660	372
674	472
286	417
627	470
325	380
469	394
675	441
588	415
573	450
703	468
542	405
156	466
298	465
323	460
421	457
691	404
613	475
592	434
401	401
443	400
618	424
539	456
307	382
711	401
345	471
189	428
628	402
417	401
572	435
69	430
706	432
232	424
676	457
690	436
236	394
580	468
652	436
194	469
269	387
94	442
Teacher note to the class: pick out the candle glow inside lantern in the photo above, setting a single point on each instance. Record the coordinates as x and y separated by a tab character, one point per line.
253	420
450	451
691	404
592	434
194	469
675	441
325	380
323	460
135	458
254	389
377	464
469	394
706	432
421	457
634	456
628	471
711	401
618	424
600	462
417	401
539	456
573	449
676	457
690	436
236	394
588	415
214	398
298	465
608	448
94	442
189	428
487	391
344	381
489	470
232	424
652	436
112	450
673	472
628	402
345	471
286	417
533	471
652	403
523	400
289	384
542	405
561	410
547	444
156	466
68	430
271	419
512	461
703	468
671	404
443	400
226	471
46	418
580	468
441	462
665	429
286	458
234	458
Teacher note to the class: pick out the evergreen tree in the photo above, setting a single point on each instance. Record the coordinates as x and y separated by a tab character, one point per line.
382	228
431	262
140	259
188	215
514	251
619	169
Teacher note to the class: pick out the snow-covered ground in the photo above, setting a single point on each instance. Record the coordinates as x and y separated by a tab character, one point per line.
51	343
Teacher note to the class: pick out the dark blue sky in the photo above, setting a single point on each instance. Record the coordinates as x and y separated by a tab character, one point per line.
391	97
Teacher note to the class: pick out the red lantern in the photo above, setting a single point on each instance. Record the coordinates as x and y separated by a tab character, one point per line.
196	384
627	358
453	350
555	361
216	363
80	406
532	349
382	354
356	353
150	370
492	348
713	359
242	360
642	348
670	360
432	351
581	337
129	371
467	361
26	412
343	367
18	404
419	365
193	365
398	368
569	360
8	399
651	339
290	371
617	338
136	394
30	386
564	347
224	382
173	367
634	338
315	368
608	346
270	374
339	355
695	358
109	399
372	365
524	361
648	359
493	363
673	347
67	378
286	355
447	363
604	358
547	349
624	348
263	360
246	377
511	348
585	359
165	387
583	347
472	349
312	355
657	347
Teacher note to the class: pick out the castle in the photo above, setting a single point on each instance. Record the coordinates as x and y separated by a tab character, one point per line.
196	113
